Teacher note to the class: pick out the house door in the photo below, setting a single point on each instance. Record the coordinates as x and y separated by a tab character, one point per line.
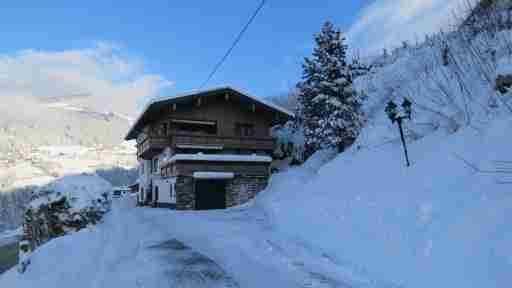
210	194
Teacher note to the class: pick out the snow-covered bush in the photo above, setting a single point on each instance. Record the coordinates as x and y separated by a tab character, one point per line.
23	255
290	143
67	205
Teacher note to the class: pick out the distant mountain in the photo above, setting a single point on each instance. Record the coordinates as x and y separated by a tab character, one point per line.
40	140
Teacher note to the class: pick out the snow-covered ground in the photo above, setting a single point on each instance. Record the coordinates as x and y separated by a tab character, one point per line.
360	220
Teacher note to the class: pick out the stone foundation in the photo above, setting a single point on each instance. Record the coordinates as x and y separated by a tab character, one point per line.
242	189
185	194
238	191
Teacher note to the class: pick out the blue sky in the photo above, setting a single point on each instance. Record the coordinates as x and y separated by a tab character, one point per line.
175	44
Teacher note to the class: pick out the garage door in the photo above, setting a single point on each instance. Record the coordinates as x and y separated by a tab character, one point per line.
210	194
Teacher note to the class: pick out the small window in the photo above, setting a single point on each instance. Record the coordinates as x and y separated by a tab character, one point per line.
244	130
154	166
163	129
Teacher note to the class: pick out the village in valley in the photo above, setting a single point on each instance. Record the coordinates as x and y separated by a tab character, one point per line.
375	155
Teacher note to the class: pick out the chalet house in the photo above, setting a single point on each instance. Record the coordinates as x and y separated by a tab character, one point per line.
205	150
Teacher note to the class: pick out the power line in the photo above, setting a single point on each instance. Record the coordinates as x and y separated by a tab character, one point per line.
237	39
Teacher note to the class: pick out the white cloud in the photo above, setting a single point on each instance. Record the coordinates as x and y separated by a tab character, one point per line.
386	23
101	78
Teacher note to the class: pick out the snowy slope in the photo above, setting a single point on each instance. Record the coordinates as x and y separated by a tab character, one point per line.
437	224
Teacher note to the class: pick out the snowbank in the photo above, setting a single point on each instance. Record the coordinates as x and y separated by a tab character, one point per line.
80	190
67	205
441	223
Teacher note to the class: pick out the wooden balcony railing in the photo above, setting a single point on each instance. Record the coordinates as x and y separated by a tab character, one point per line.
225	142
152	146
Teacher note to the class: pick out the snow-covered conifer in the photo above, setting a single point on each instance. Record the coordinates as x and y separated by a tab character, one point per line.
329	108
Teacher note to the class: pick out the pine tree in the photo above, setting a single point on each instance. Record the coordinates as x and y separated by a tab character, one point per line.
329	109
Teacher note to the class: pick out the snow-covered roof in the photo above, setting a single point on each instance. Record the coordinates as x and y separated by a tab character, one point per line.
130	134
218	158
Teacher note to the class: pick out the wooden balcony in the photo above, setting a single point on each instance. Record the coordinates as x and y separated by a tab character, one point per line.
221	142
154	145
151	147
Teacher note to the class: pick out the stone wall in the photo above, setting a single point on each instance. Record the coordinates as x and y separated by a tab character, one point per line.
185	195
238	191
242	189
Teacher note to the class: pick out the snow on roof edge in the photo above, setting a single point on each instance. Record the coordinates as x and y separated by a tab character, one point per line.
218	158
196	92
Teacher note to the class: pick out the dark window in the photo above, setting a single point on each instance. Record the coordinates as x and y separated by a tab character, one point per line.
244	130
163	129
195	126
154	165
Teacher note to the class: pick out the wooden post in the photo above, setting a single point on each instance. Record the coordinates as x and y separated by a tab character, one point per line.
399	120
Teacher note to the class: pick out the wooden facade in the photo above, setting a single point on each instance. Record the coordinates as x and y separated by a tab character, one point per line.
208	121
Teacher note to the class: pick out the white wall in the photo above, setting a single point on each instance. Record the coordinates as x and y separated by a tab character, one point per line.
165	190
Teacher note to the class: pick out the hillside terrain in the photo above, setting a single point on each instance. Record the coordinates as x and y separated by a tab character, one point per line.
55	139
